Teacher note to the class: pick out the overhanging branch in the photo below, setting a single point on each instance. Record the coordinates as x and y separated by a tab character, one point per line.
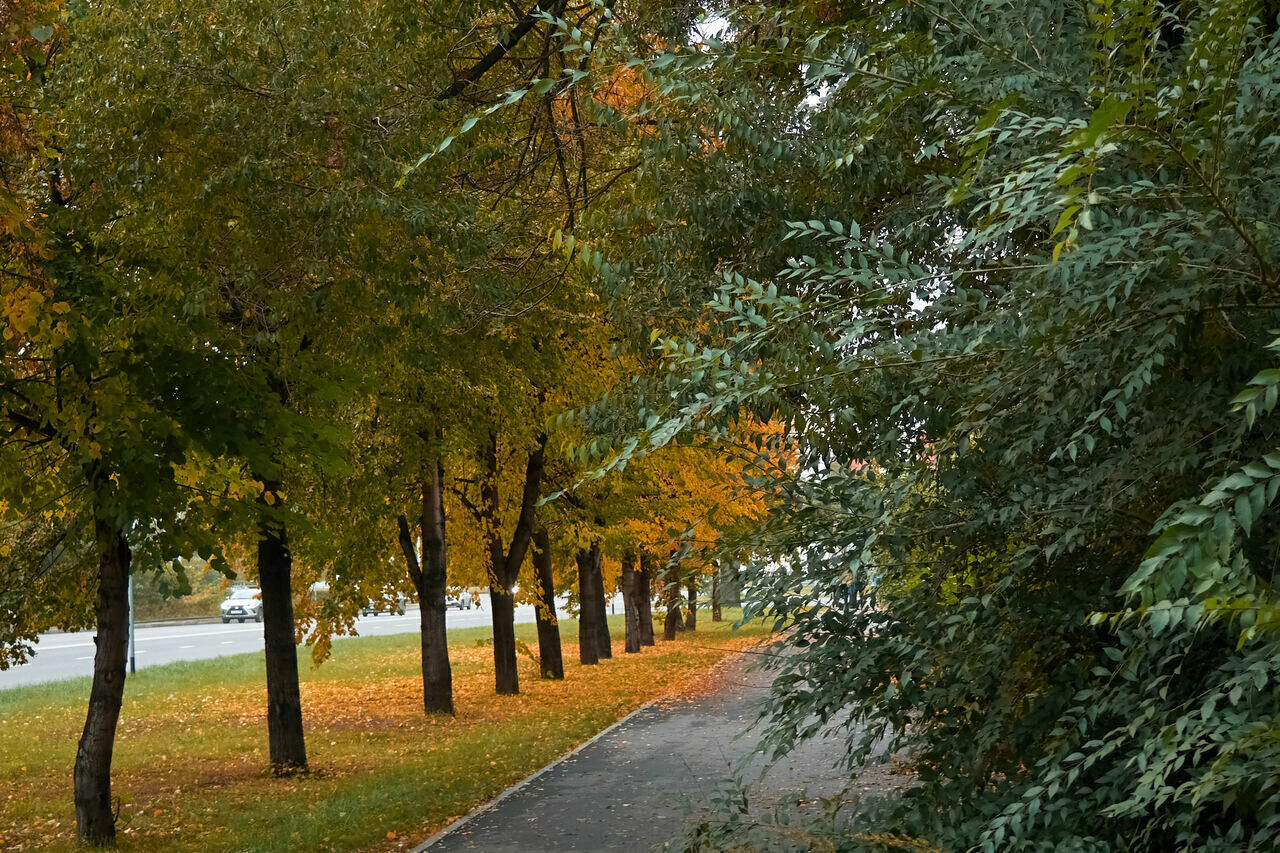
501	49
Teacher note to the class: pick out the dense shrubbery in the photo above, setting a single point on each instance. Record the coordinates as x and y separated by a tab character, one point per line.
1020	329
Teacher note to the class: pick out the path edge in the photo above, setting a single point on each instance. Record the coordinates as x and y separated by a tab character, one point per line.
517	787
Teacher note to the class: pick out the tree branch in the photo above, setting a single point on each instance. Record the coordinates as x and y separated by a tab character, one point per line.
494	56
410	553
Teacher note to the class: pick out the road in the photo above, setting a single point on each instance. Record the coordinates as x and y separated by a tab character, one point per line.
60	656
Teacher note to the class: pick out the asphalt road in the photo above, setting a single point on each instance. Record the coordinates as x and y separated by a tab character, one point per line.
60	656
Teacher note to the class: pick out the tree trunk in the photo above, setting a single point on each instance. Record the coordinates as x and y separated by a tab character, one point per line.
644	600
674	621
550	657
588	650
506	677
437	675
731	586
286	745
691	620
715	594
604	643
504	563
631	603
430	579
95	819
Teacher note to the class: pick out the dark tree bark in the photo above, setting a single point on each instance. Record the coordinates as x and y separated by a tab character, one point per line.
430	580
604	643
504	563
644	588
715	593
285	740
588	650
691	619
550	656
674	621
631	603
503	605
95	819
499	50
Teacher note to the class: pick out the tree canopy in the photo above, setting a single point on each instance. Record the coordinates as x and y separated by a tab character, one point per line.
957	321
1015	306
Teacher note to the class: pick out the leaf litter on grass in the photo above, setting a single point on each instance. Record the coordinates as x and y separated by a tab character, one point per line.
191	770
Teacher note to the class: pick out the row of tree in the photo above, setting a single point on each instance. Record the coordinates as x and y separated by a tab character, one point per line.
236	325
982	293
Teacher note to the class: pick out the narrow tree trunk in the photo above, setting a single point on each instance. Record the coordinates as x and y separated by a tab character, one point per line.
674	621
437	674
286	745
691	620
588	650
604	643
731	586
550	657
715	594
95	819
503	606
644	599
630	602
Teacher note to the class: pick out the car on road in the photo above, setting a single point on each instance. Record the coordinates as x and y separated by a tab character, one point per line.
462	601
373	607
242	603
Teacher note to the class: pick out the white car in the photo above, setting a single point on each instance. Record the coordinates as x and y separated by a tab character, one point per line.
395	607
241	604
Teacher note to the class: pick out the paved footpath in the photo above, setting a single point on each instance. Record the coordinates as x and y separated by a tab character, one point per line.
631	790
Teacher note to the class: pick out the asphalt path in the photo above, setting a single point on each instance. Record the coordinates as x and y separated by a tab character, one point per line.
635	787
59	656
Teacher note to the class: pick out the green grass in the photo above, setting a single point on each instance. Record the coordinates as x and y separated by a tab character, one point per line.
190	761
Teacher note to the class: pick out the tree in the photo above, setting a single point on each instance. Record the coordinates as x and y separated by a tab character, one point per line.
589	609
632	592
505	559
1007	289
429	579
278	226
550	658
101	450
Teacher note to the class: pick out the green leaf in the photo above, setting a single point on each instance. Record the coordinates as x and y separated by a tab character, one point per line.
1064	220
1244	513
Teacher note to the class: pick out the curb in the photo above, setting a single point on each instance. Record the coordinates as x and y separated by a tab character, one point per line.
523	783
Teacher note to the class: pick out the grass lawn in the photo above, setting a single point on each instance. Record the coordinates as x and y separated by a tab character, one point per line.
191	752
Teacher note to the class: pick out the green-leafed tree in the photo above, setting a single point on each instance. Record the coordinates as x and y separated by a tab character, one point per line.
248	154
1006	274
100	454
